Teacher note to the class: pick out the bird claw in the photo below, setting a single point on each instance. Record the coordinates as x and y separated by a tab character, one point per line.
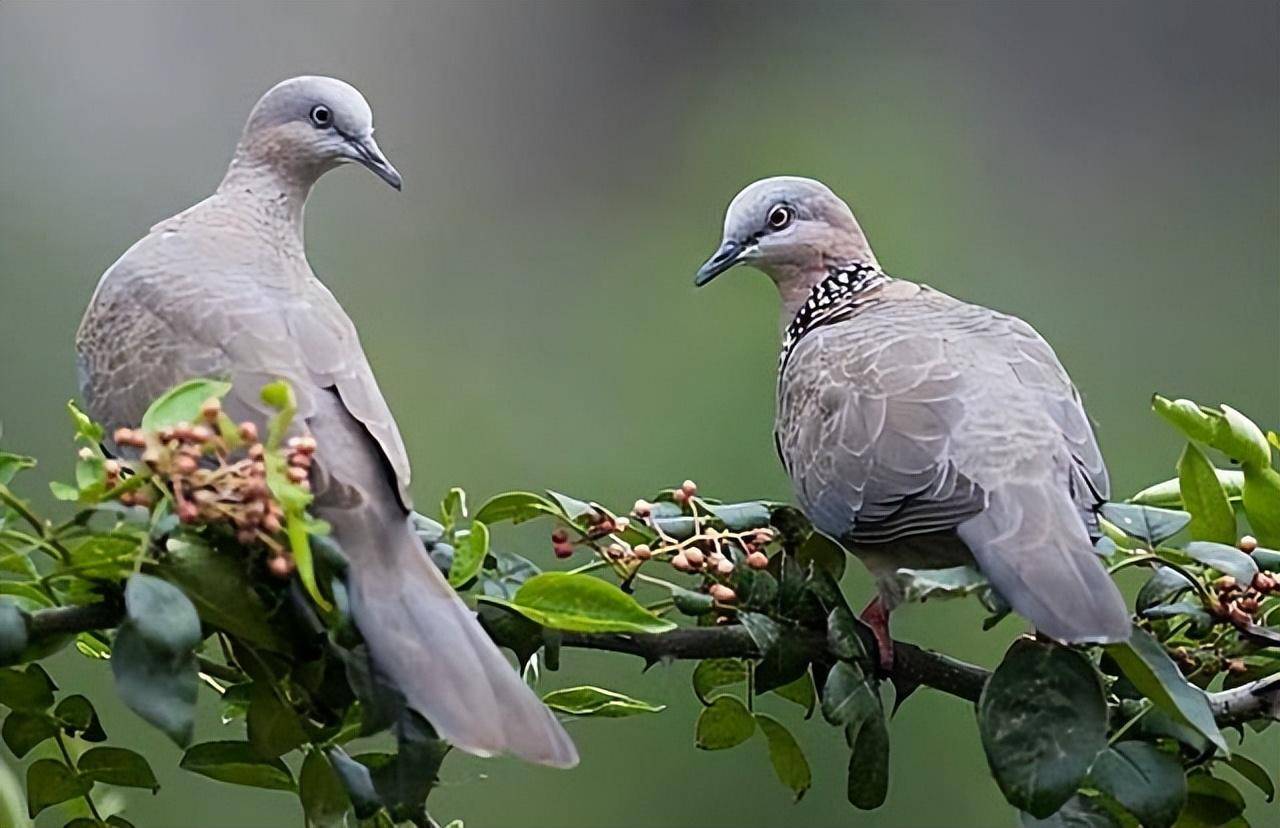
877	618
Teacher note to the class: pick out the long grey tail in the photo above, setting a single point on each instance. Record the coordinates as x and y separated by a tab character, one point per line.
423	637
1032	545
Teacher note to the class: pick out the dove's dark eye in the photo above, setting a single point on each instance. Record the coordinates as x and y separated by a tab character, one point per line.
321	116
780	216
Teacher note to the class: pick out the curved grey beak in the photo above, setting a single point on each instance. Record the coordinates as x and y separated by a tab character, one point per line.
729	254
367	152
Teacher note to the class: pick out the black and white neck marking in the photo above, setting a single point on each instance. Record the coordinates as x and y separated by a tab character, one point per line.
831	300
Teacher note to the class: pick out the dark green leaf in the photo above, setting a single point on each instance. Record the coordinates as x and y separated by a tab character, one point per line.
1146	522
788	760
181	404
849	697
868	780
843	637
77	715
237	763
596	701
800	692
764	631
786	662
357	781
1259	776
13	632
713	673
1226	559
273	728
581	603
162	615
739	517
23	731
1168	494
1164	584
821	552
219	586
1043	718
512	630
756	589
1211	803
1148	667
724	723
1212	518
1079	812
516	507
692	603
1266	559
117	766
28	690
403	780
50	782
469	554
571	506
1147	781
324	800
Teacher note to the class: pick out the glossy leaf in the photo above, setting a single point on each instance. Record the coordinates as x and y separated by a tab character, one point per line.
1164	584
117	766
49	782
907	585
272	727
23	731
1147	781
821	552
800	692
1226	559
516	507
77	716
1145	664
1043	718
1257	775
1079	812
222	591
596	701
868	778
28	690
739	517
1226	429
788	761
714	673
724	723
1212	518
469	554
324	800
1168	493
581	603
849	697
181	404
1262	503
237	763
1148	523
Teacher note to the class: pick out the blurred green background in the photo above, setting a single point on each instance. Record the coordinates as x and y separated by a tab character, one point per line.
1109	171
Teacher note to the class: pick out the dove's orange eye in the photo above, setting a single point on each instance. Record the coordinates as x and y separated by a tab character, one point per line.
321	116
780	216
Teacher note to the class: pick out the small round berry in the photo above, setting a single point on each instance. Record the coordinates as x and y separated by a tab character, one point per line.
1236	666
112	468
123	436
563	550
185	464
642	551
616	552
271	524
689	488
643	508
1248	604
621	524
1238	616
679	496
757	560
281	566
1248	543
201	434
695	557
723	594
85	453
1225	584
257	451
1264	583
188	512
724	567
297	475
210	410
559	536
245	537
128	499
681	562
249	431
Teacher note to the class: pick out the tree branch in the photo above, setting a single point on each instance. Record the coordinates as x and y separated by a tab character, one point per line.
912	665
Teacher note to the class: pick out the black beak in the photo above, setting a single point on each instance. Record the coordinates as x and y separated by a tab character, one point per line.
729	254
368	153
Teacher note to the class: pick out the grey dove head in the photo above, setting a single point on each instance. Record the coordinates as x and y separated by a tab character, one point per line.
303	127
788	227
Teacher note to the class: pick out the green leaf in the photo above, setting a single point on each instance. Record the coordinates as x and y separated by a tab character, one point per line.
1152	525
821	552
273	728
1168	494
181	404
1257	775
469	554
800	692
510	629
220	587
117	766
756	589
1212	518
843	637
581	603
739	517
1266	559
849	697
764	631
516	507
1079	812
14	629
1147	781
571	507
153	658
77	716
1262	503
63	491
1043	718
713	673
238	763
86	428
1148	667
23	731
789	764
1163	585
1226	559
1211	803
908	585
725	723
11	464
324	800
453	508
868	778
30	690
1227	430
49	782
596	701
691	603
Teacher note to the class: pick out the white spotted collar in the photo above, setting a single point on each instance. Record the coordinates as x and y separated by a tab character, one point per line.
833	299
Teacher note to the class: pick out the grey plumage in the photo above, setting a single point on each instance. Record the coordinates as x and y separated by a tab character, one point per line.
919	429
224	290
